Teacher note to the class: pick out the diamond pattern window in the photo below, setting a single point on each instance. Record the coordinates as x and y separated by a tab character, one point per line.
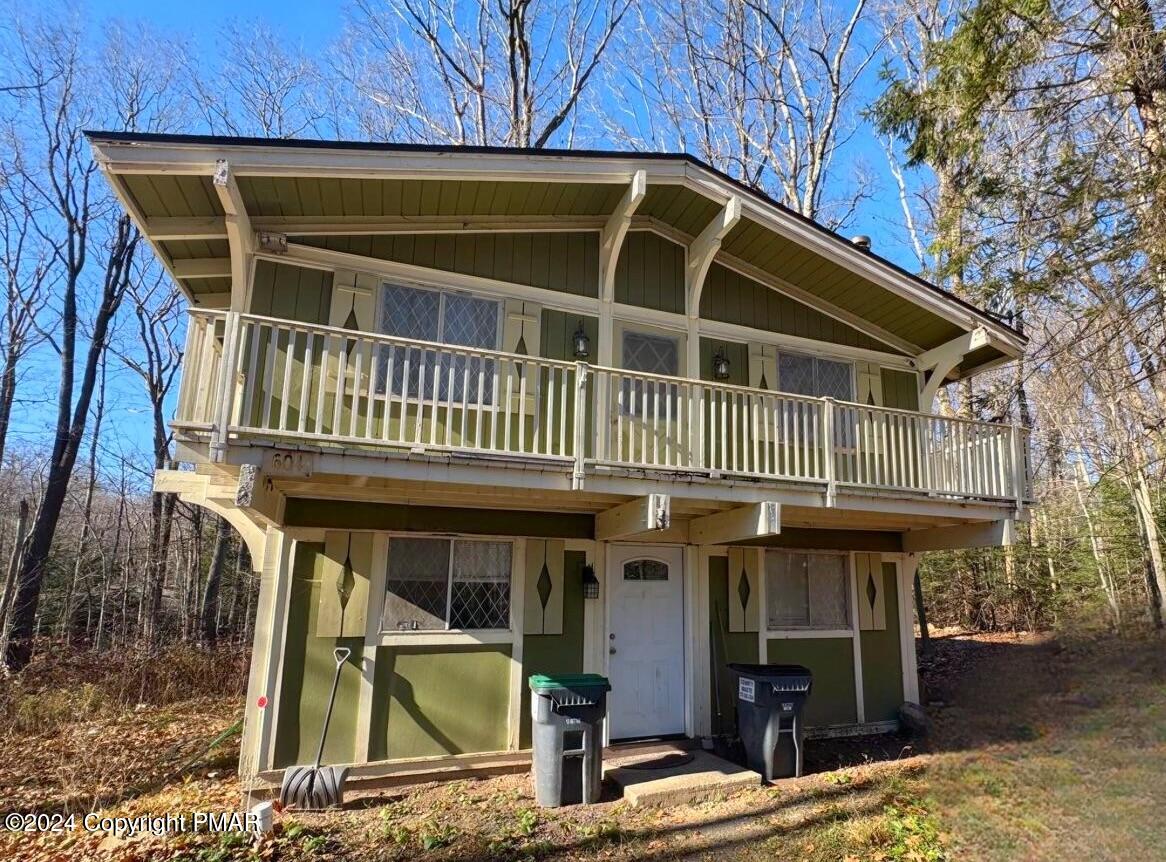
819	378
442	584
806	591
443	317
651	354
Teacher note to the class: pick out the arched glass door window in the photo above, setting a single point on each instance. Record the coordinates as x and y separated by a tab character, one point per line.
645	570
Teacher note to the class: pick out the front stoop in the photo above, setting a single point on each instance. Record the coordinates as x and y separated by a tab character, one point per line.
677	778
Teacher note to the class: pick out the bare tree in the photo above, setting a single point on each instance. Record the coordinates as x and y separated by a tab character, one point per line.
765	90
69	211
509	72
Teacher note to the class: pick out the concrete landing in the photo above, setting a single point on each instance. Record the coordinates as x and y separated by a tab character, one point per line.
676	777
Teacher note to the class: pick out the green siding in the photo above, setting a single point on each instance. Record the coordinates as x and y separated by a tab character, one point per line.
291	292
731	298
831	661
650	272
882	667
556	653
308	668
351	515
567	262
557	334
737	354
430	701
900	389
724	647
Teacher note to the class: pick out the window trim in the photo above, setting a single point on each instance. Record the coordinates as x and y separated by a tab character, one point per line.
450	636
849	584
621	325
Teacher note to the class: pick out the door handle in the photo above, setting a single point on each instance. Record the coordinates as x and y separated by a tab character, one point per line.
611	650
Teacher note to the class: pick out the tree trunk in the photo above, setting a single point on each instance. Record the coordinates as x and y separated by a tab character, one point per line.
70	429
921	612
210	599
13	568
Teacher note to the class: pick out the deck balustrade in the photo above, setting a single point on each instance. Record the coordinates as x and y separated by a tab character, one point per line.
253	377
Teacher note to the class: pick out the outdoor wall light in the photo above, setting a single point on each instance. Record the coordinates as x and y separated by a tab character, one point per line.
590	582
721	365
581	342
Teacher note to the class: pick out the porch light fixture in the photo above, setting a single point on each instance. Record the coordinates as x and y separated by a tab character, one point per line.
590	583
721	365
581	343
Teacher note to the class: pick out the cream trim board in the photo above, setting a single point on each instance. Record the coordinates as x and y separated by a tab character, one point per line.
376	586
284	572
905	568
692	641
859	694
806	634
452	637
517	613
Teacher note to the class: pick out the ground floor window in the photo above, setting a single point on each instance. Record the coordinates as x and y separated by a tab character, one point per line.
807	591
439	584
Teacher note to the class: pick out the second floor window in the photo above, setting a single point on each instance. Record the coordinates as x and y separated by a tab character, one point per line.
811	375
651	354
445	317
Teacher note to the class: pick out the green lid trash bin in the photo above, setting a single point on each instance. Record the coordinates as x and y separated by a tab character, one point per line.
567	712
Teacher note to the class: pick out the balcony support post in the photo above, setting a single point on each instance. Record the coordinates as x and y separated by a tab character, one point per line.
1019	468
828	444
578	474
226	389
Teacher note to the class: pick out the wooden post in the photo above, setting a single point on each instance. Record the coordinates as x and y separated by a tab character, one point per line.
581	370
828	451
221	432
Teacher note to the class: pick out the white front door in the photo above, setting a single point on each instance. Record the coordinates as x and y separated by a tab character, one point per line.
646	641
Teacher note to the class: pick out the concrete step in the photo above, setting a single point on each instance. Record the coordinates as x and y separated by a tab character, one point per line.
677	777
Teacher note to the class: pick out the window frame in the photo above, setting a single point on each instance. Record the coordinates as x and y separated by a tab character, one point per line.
815	358
389	636
848	631
384	386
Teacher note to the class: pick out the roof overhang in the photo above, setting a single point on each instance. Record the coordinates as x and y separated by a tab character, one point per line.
166	184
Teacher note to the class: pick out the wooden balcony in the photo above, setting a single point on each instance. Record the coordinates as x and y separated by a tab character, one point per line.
254	379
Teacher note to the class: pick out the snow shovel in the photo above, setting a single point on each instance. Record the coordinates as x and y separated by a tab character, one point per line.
317	787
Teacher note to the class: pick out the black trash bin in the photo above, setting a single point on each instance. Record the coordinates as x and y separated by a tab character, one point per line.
567	712
770	701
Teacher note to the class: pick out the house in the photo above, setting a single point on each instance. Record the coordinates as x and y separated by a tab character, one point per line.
480	413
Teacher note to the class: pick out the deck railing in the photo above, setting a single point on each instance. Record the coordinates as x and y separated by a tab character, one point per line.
252	376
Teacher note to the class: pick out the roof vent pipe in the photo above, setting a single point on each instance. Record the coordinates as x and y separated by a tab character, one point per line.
862	241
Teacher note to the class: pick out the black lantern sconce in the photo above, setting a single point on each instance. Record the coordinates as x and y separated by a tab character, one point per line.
581	343
721	365
590	582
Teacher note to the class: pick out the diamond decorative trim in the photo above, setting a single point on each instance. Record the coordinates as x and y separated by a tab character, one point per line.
743	590
872	592
544	586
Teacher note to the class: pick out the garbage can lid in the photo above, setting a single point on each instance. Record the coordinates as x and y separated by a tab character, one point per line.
770	671
547	682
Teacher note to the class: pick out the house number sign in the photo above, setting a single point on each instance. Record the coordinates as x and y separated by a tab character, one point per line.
288	462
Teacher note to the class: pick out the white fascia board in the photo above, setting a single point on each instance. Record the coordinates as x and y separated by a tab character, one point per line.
249	160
